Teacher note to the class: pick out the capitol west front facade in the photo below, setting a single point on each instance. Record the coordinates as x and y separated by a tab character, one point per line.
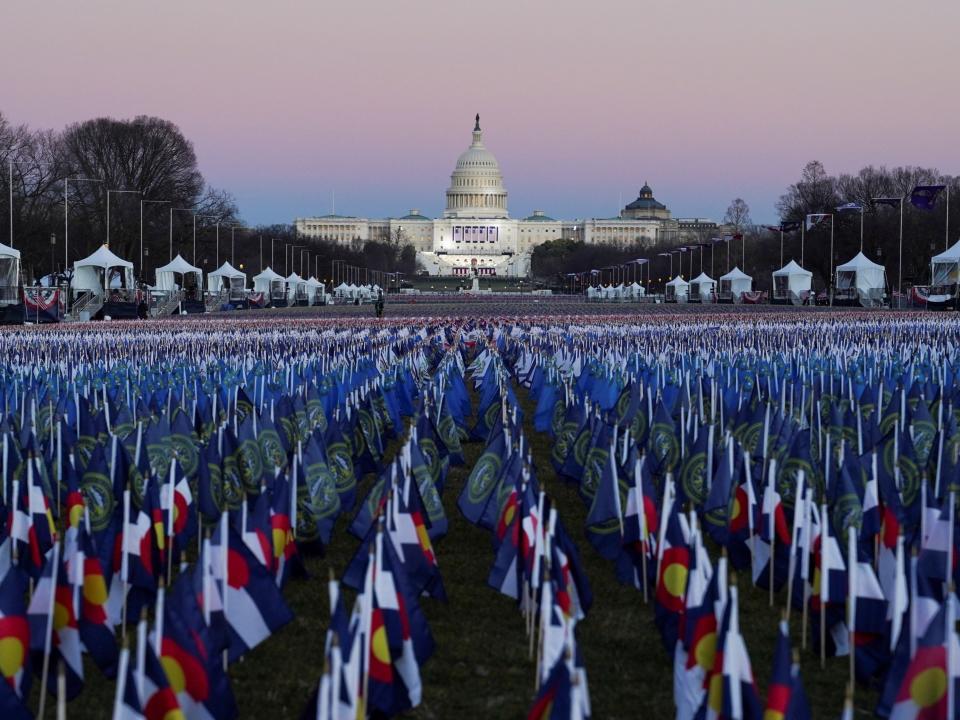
476	234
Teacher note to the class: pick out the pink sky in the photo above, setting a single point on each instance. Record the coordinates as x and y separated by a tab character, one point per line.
288	100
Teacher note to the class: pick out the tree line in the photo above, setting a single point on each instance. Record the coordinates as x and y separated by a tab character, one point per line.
756	249
163	191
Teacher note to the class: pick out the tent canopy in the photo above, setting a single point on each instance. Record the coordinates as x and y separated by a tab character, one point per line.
9	266
101	271
791	268
678	282
736	274
166	275
8	252
861	273
945	267
226	274
791	280
268	280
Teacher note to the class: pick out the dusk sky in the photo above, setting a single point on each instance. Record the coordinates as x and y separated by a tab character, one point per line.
287	101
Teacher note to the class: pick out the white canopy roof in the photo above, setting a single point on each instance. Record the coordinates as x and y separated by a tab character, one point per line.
861	273
945	267
103	258
236	278
228	270
736	274
294	279
267	275
179	265
166	275
859	262
791	268
951	254
313	282
94	273
678	282
8	252
703	278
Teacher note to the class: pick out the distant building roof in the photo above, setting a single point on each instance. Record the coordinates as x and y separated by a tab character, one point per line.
539	216
646	201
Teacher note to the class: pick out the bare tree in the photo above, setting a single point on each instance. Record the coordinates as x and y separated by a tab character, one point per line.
737	215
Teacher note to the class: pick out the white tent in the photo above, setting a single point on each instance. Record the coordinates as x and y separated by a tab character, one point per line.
734	284
101	272
606	292
226	277
592	292
296	288
271	284
791	281
167	275
945	267
342	290
677	289
636	290
9	266
702	287
861	279
315	290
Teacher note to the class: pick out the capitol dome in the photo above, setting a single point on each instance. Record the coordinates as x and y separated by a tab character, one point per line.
476	185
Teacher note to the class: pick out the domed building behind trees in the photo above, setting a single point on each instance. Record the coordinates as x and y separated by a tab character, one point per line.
477	236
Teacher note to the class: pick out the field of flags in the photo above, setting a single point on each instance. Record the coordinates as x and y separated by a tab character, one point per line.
698	515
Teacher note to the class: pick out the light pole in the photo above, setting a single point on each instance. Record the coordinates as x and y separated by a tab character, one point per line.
142	203
66	216
189	210
895	201
205	217
109	192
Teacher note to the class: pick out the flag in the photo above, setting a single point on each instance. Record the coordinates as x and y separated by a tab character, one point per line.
891	201
925	196
814	219
553	701
52	615
253	606
850	207
14	640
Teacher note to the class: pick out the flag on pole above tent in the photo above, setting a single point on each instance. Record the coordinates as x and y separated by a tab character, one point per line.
891	201
814	219
850	207
925	196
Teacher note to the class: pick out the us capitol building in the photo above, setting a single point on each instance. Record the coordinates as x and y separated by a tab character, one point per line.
477	235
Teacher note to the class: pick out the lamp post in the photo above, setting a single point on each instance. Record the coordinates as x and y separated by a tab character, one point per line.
110	192
897	201
142	203
205	217
53	245
66	216
189	210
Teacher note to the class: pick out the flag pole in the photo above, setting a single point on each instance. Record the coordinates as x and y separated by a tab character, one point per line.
861	227
900	268
803	229
831	261
781	244
946	232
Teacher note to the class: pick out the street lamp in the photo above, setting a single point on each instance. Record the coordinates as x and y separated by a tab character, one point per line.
66	216
189	210
108	208
140	266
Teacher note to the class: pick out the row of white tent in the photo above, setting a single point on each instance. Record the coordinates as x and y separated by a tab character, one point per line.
616	292
104	270
353	292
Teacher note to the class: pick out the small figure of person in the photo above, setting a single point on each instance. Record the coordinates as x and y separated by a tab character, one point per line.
379	305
